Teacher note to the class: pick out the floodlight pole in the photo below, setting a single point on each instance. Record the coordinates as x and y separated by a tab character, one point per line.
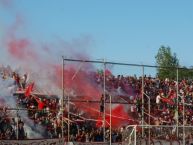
104	97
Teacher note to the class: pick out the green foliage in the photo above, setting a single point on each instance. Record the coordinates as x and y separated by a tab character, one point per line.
165	58
185	73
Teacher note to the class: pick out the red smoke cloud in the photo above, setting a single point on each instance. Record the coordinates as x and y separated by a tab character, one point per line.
81	83
119	117
78	78
21	49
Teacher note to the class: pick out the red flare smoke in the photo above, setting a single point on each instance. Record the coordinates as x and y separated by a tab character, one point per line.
21	49
119	117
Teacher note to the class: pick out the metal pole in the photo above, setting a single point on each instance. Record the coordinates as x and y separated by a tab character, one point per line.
149	122
104	94
117	63
68	106
62	98
183	121
149	118
177	123
68	119
135	135
17	124
142	113
110	118
186	126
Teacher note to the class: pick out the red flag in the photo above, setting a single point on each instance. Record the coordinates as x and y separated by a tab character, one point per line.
29	90
40	104
108	72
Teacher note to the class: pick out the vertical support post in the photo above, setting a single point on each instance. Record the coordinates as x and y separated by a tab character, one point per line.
17	124
62	99
68	118
104	94
149	121
142	109
177	101
149	118
183	121
68	108
110	118
135	135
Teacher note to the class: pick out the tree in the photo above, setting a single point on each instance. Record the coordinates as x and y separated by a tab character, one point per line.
165	58
185	73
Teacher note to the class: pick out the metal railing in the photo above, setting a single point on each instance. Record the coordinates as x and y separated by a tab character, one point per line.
159	133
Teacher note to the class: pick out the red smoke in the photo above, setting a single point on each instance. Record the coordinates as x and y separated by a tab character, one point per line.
78	78
119	117
81	83
21	49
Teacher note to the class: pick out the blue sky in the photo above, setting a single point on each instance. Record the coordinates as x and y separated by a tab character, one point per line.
118	30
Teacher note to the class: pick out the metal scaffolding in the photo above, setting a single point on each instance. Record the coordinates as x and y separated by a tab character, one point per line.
110	102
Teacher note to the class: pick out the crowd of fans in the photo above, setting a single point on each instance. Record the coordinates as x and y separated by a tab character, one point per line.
45	111
163	100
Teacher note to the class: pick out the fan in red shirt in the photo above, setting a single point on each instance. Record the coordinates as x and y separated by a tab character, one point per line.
41	104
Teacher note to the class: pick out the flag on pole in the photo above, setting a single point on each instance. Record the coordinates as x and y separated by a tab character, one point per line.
29	90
